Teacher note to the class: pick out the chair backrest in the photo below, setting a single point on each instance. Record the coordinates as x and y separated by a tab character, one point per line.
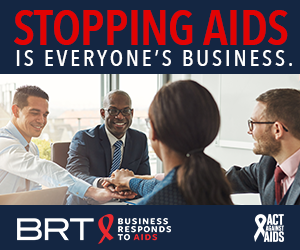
59	153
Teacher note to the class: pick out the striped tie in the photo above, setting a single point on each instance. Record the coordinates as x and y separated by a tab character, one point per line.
117	157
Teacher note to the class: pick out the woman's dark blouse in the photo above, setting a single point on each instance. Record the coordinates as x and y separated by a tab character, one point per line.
165	192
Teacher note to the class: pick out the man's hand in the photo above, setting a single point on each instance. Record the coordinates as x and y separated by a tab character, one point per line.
120	189
103	195
120	178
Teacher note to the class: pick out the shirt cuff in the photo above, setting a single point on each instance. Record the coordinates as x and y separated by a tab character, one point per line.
79	188
96	181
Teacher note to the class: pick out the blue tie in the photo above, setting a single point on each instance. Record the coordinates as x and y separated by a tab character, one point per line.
117	157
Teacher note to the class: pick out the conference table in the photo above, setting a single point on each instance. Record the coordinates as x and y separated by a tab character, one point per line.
122	202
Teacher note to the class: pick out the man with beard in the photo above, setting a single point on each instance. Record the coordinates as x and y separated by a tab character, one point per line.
275	127
96	153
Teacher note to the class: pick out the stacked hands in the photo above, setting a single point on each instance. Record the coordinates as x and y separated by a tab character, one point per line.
111	189
119	181
116	187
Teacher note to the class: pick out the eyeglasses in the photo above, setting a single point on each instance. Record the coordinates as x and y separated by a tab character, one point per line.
250	124
115	112
147	122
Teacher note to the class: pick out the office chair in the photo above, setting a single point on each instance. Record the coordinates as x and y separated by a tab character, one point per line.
59	153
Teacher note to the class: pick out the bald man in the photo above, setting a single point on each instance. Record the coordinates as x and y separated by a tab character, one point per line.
97	152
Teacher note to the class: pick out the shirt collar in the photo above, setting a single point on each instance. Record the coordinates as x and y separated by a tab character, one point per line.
291	164
112	139
15	132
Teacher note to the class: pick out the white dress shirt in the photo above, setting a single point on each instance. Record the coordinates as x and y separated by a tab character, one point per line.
112	140
23	171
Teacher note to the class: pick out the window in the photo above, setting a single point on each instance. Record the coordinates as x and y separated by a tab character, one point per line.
142	89
74	101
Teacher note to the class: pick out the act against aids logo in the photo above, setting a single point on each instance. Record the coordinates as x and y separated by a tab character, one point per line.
270	227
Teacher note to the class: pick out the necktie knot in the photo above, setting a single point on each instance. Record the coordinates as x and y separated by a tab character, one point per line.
278	175
118	144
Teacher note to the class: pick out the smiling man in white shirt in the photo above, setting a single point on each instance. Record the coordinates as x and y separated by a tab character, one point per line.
21	169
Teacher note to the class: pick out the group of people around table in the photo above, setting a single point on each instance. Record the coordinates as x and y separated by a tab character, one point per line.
111	160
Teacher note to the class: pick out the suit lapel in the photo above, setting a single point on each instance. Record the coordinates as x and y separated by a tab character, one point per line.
295	189
127	150
267	167
106	147
269	196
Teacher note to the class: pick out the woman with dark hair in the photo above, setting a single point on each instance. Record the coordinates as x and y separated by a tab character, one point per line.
184	119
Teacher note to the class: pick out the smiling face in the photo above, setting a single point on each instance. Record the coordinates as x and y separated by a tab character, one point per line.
265	142
118	124
31	120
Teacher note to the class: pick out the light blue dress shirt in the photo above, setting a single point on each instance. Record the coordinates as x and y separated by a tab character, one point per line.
24	171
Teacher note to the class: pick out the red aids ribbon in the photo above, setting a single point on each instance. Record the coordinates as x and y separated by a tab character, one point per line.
104	230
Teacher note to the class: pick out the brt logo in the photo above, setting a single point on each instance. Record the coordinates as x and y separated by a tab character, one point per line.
37	232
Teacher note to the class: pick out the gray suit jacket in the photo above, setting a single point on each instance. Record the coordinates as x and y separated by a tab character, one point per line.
259	178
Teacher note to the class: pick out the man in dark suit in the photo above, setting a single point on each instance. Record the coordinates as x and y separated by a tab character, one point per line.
275	127
95	153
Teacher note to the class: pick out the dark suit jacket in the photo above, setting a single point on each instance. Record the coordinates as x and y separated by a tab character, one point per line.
90	154
259	178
